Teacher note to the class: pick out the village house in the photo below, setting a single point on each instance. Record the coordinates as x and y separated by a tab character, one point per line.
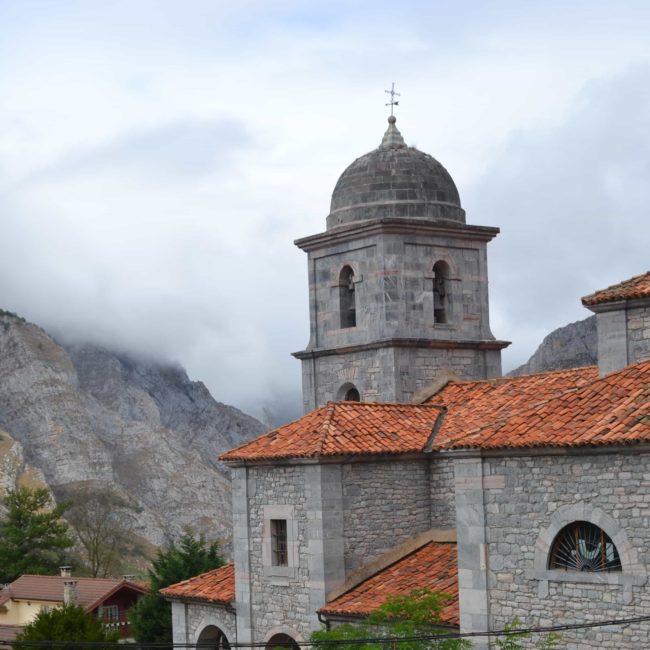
416	463
107	599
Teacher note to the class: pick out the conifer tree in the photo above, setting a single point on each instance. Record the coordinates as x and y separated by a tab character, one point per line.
151	618
33	537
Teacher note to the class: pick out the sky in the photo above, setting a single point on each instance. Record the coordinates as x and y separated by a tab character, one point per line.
158	158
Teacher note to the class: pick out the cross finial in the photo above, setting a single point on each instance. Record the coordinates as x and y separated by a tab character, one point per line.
392	103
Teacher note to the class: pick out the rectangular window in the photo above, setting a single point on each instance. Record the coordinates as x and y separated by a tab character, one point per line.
109	613
279	542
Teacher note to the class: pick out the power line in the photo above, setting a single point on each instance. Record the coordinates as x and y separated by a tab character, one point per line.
308	644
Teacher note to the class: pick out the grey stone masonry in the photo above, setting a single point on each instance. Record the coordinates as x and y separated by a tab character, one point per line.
384	504
192	619
284	599
396	345
339	516
623	333
527	500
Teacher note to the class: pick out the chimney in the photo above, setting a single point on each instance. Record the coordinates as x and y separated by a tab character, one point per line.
66	571
69	592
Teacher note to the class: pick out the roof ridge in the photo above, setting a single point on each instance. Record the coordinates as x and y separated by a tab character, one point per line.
324	427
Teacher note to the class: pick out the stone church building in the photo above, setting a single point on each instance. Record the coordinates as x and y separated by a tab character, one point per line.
417	464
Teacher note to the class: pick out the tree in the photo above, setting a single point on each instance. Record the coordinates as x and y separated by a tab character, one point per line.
415	617
151	618
68	623
99	520
513	640
33	537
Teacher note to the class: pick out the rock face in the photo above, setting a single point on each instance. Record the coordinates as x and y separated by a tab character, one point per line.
571	346
77	415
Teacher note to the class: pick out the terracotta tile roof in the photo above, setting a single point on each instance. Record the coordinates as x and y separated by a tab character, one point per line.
216	586
9	633
474	404
614	409
91	592
345	428
434	565
636	287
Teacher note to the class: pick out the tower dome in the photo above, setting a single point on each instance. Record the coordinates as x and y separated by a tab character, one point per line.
395	181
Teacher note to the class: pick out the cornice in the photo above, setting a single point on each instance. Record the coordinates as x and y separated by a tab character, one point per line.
431	344
360	229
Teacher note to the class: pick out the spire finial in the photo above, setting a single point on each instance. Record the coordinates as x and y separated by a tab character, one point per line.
392	103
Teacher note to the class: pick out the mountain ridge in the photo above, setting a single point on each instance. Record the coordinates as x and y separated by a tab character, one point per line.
75	415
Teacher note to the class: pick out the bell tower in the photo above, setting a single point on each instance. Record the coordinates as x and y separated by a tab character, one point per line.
397	282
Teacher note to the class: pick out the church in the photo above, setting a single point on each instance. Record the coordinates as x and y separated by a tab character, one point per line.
417	464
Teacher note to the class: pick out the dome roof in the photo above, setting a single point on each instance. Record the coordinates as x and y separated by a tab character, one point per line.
395	181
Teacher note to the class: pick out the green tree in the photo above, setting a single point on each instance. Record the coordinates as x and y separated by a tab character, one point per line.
513	640
100	519
151	618
417	614
33	537
69	623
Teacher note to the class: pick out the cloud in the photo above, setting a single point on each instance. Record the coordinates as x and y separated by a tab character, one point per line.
572	204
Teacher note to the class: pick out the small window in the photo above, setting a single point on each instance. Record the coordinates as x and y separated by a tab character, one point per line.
347	298
109	613
440	292
352	395
279	542
582	546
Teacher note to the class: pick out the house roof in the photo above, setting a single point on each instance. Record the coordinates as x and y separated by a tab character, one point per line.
9	633
636	287
91	592
346	428
434	565
216	586
471	405
614	409
363	428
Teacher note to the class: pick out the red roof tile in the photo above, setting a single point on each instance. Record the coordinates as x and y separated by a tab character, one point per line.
474	404
434	565
345	428
216	586
614	409
91	592
636	287
9	633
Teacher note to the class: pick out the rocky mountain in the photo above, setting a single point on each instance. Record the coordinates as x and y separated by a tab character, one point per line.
571	346
79	417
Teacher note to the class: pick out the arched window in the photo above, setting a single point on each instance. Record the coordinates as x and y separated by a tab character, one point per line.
348	393
353	395
440	292
281	642
582	546
212	638
347	299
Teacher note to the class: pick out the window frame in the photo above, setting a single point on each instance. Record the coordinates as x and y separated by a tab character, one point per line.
279	574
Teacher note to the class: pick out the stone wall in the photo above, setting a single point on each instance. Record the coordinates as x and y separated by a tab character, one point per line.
200	616
443	510
526	501
638	334
274	599
384	504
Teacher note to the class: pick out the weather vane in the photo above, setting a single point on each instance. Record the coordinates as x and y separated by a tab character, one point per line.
392	103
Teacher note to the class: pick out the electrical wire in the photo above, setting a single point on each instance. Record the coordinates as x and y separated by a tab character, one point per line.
392	640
